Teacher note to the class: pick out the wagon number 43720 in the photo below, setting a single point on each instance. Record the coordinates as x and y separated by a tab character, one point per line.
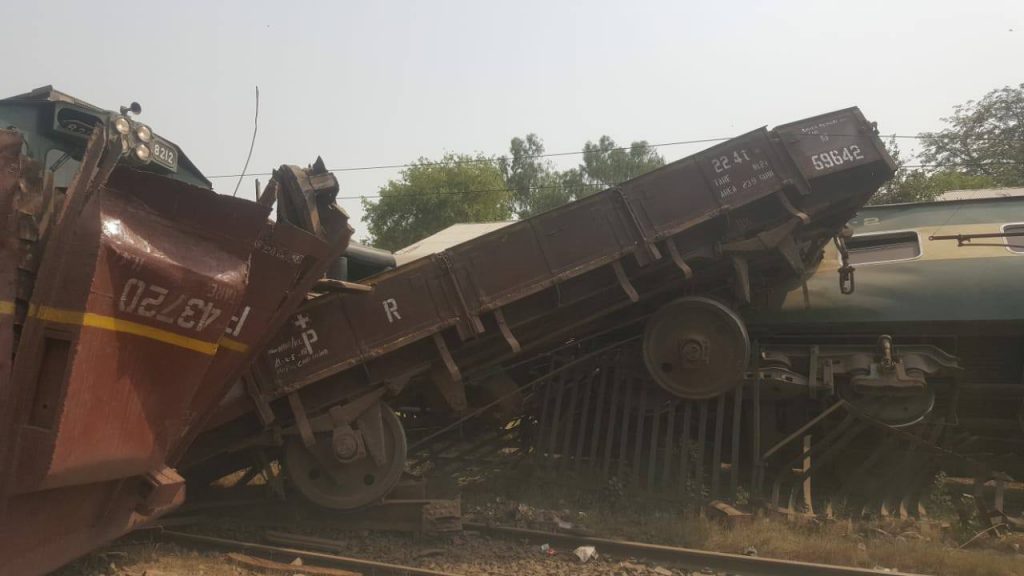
152	301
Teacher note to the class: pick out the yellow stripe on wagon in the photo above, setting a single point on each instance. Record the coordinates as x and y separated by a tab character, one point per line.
6	307
124	326
234	345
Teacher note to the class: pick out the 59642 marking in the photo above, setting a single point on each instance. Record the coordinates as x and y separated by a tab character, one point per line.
837	157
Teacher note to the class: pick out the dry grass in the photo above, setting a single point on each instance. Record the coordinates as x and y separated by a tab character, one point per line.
153	559
907	545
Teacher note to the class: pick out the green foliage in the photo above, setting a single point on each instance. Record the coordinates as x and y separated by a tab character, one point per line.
533	182
537	186
982	146
983	138
606	165
917	185
431	196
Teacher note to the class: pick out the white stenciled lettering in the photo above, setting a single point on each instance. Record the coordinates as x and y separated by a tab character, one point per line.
168	312
391	310
726	161
130	294
309	337
234	327
837	157
186	318
147	307
163	305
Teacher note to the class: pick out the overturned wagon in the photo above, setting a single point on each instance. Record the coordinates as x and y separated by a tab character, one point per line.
751	213
130	296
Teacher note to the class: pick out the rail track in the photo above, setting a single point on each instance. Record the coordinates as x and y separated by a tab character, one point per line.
327	552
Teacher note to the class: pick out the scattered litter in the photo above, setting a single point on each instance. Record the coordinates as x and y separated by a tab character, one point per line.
562	524
547	549
750	551
297	561
662	571
585	553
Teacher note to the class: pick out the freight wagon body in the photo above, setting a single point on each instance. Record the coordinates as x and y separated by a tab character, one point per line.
751	213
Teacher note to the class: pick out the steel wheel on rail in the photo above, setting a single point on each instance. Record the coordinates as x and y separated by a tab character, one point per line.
327	479
696	348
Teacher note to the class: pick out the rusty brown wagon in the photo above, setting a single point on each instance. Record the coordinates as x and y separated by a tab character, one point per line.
131	294
751	213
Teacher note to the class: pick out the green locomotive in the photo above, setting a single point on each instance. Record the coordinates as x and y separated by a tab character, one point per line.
933	331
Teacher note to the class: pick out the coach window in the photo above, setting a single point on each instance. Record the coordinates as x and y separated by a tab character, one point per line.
1014	244
887	247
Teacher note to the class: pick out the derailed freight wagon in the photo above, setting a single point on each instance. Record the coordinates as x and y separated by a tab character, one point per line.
748	214
131	295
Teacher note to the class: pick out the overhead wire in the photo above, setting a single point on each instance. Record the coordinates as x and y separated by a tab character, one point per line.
492	159
597	187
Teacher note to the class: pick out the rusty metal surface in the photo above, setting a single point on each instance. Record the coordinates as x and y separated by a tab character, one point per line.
138	298
144	299
10	170
746	214
567	255
290	256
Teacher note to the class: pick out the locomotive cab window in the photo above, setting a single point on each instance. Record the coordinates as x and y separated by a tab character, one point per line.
873	248
1014	244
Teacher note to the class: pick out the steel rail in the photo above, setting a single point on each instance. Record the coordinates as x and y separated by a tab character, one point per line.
359	563
688	557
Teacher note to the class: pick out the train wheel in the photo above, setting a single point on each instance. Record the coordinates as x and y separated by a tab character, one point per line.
351	480
696	348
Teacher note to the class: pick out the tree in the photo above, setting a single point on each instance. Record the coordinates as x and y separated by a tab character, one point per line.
537	186
606	165
982	146
983	138
918	185
430	196
533	182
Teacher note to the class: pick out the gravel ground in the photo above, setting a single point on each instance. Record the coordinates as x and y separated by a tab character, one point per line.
910	546
467	554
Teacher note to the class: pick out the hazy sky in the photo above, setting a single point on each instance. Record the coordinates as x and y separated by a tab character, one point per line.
370	83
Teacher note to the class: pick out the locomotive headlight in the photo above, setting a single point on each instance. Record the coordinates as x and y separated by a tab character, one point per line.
143	133
143	153
122	125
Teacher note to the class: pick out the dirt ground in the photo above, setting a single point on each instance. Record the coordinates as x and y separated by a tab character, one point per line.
934	546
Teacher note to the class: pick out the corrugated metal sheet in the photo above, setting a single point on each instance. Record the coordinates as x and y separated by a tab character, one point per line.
980	194
450	236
